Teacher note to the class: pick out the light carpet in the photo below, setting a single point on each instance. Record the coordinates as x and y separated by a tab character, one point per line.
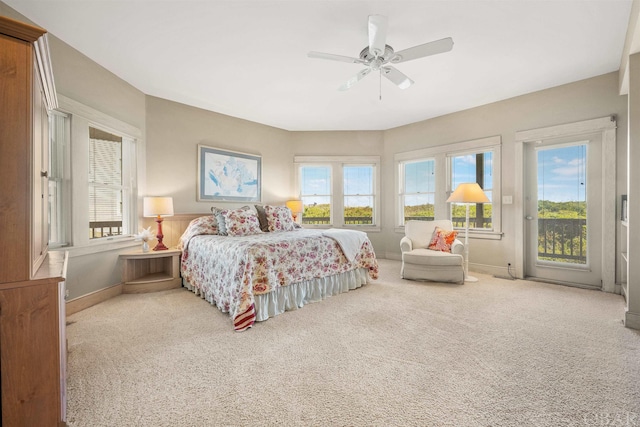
392	353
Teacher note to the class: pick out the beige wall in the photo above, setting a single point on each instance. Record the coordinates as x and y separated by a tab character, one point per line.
173	133
586	99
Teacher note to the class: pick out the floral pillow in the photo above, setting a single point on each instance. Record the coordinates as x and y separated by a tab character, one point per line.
202	225
442	240
241	222
279	218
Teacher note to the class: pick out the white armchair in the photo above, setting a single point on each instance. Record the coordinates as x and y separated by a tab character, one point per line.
421	263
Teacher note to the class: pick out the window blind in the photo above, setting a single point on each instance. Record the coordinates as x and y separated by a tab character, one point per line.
105	179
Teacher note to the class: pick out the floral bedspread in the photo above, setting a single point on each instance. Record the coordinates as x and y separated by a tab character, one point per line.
231	270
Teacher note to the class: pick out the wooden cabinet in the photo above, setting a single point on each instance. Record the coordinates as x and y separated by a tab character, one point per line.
32	312
151	271
26	94
33	347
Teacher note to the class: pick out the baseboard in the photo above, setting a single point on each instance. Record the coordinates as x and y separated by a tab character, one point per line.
393	255
492	270
632	320
78	304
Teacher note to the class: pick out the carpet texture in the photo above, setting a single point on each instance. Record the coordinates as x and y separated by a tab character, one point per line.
394	352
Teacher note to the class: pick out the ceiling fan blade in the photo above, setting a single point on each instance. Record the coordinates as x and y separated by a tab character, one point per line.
355	79
420	51
333	57
377	34
396	77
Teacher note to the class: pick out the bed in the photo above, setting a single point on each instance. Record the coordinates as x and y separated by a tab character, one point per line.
259	274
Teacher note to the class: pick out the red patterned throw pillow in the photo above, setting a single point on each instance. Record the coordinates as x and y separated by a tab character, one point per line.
442	240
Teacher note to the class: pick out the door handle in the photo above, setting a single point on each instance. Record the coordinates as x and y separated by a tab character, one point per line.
529	217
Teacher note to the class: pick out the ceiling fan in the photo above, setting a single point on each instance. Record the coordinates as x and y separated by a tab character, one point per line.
378	55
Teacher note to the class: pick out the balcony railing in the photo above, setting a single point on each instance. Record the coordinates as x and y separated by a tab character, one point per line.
350	220
99	229
562	240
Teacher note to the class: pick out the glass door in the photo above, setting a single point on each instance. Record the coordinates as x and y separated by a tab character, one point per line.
563	210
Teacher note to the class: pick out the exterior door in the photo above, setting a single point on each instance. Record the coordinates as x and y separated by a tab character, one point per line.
563	210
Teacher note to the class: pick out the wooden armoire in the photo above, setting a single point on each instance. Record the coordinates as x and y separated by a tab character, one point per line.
32	311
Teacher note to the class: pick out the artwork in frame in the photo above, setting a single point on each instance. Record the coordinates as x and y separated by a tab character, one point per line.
228	176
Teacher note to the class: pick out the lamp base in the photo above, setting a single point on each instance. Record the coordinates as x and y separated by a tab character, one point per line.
466	279
159	236
160	247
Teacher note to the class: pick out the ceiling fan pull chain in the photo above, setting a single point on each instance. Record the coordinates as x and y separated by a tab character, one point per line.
380	84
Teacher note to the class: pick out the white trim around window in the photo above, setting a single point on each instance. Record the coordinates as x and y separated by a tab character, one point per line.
81	118
441	155
336	163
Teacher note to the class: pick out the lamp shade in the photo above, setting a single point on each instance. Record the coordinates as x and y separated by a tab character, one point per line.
158	206
295	206
468	192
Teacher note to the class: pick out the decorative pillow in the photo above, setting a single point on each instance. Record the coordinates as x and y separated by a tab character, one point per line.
262	217
241	222
222	225
201	225
442	240
279	218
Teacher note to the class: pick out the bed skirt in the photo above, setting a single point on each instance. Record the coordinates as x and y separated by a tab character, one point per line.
296	295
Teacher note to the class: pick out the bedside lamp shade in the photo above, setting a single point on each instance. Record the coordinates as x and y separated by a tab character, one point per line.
295	206
158	207
468	193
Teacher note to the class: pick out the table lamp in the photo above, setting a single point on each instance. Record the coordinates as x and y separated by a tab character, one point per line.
158	207
296	207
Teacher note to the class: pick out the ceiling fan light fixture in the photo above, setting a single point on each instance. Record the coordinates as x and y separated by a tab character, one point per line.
378	54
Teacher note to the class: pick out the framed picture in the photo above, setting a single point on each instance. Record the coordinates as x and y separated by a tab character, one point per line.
228	176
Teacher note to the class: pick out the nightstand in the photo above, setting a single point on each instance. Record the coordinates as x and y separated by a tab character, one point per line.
150	271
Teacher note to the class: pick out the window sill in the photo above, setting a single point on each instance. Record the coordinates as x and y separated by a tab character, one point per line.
366	228
483	235
98	247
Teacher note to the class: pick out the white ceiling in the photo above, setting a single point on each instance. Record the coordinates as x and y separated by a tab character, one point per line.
248	59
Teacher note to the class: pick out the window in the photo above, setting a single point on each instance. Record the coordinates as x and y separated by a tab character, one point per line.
93	183
417	189
106	189
359	197
58	178
339	191
473	167
427	177
315	193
